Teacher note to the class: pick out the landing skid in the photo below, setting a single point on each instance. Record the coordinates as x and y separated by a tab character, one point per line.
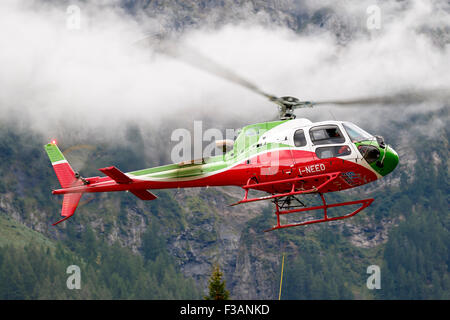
279	211
283	201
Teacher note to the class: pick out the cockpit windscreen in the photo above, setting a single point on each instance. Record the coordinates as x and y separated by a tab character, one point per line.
355	133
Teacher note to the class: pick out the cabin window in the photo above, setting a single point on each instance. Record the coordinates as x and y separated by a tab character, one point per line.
299	138
370	153
328	134
332	152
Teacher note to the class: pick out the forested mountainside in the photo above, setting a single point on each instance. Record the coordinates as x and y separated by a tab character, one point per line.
165	249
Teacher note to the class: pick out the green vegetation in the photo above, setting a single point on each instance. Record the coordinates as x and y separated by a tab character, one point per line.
33	264
416	258
320	262
34	271
216	285
14	233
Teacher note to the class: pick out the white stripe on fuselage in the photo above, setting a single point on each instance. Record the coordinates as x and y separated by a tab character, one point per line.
59	162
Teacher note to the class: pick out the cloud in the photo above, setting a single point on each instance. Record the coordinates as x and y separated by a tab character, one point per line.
94	79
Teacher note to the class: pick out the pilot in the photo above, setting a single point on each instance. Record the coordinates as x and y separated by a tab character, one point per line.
344	150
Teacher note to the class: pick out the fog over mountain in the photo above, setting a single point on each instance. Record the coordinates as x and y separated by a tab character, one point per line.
94	78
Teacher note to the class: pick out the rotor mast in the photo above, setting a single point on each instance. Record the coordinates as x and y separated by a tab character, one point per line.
287	105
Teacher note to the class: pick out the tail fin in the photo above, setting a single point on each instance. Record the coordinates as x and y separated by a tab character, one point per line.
66	177
63	170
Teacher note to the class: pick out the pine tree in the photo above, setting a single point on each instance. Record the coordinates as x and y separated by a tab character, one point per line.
217	289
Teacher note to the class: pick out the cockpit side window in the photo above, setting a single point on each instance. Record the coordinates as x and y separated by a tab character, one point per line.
299	138
370	153
327	134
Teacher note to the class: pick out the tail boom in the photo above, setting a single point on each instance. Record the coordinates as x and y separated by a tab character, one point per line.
73	186
104	185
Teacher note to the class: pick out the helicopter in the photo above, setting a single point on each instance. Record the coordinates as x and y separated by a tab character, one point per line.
286	159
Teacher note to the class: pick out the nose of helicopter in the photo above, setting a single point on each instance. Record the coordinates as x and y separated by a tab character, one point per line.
390	161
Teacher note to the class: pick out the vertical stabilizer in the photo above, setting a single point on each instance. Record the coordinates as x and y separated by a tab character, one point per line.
67	179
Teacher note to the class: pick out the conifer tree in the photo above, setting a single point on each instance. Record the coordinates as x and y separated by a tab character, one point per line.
217	290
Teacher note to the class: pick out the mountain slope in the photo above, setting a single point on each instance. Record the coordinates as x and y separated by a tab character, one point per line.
405	231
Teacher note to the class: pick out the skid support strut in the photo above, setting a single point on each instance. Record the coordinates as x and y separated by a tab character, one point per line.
293	183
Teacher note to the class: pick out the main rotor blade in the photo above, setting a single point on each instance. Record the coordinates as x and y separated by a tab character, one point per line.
182	52
194	58
404	98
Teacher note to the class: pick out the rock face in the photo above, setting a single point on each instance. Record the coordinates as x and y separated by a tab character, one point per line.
215	236
201	229
250	258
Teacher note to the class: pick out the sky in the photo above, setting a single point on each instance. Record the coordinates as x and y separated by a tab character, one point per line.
70	71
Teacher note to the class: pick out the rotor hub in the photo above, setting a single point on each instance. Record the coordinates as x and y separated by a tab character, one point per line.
288	104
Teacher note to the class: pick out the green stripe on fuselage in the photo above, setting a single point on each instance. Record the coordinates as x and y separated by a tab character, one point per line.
209	165
183	170
244	147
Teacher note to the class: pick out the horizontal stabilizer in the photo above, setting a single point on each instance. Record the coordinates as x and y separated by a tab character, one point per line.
116	175
143	194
